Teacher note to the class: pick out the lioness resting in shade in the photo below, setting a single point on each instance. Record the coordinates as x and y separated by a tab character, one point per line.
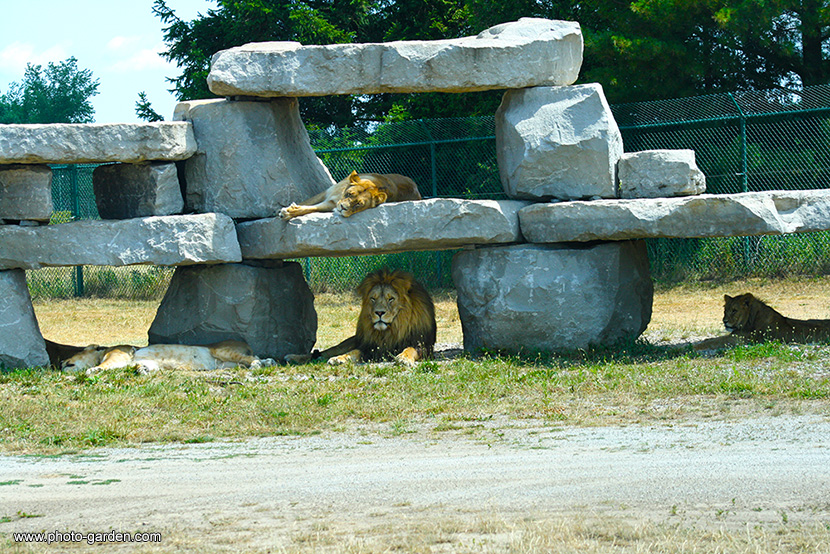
355	193
225	354
750	320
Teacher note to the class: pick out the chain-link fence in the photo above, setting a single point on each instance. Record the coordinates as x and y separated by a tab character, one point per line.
73	198
746	141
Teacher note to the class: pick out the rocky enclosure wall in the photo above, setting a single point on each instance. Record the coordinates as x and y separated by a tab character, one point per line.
202	193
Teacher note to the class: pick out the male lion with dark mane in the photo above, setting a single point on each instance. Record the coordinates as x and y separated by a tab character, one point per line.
397	319
355	193
748	319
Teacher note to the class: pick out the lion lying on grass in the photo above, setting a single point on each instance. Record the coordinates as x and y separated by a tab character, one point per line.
355	193
397	319
748	319
225	354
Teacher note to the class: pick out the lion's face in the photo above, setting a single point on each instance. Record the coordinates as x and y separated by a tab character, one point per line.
360	195
384	303
736	311
89	357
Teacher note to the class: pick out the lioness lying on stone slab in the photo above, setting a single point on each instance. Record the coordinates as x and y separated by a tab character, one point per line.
225	354
355	193
748	319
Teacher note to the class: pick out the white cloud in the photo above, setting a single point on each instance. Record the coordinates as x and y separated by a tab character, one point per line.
14	57
143	60
123	43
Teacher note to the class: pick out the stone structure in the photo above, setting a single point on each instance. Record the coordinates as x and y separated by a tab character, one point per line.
533	297
244	158
21	344
75	143
167	240
270	308
723	215
124	191
530	52
434	224
557	142
25	192
253	157
660	173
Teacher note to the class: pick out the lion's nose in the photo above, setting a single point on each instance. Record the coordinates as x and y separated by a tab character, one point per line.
380	314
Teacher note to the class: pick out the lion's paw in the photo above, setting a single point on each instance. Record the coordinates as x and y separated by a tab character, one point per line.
268	362
405	361
288	211
338	360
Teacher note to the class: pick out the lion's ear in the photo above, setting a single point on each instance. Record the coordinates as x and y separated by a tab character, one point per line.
727	298
381	197
353	177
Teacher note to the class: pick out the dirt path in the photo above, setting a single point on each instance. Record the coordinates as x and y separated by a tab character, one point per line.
278	492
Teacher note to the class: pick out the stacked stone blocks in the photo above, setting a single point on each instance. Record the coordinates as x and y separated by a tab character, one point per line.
560	265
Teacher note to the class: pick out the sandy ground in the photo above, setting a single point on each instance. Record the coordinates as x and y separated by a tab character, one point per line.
270	493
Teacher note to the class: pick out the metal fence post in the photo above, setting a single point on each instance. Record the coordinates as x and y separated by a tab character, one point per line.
78	277
433	163
744	176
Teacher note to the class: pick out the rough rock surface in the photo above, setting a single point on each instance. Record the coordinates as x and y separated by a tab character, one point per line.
25	192
253	159
124	191
707	215
270	308
557	142
21	344
660	173
434	224
72	143
525	53
165	240
533	297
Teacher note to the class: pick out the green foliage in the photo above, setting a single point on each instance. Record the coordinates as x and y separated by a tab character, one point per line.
58	94
144	110
696	47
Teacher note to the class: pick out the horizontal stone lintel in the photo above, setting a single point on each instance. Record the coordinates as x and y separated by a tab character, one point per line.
524	53
434	224
163	240
706	215
72	143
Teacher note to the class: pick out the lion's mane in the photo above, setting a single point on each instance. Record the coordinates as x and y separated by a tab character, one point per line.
414	325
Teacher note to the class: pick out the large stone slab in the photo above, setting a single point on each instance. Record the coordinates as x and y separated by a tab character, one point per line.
166	240
124	191
552	297
659	173
434	224
707	215
70	143
557	142
25	192
21	344
529	52
270	308
254	157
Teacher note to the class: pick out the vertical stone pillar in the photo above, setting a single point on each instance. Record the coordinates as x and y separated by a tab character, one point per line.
270	308
553	297
254	157
21	344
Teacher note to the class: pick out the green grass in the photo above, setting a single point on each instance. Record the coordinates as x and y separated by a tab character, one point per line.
46	411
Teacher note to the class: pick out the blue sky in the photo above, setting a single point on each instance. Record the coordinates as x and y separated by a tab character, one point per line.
118	40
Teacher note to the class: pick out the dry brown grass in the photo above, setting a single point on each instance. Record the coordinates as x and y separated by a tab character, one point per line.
680	313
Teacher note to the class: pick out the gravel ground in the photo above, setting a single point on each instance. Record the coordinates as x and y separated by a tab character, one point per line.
268	493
